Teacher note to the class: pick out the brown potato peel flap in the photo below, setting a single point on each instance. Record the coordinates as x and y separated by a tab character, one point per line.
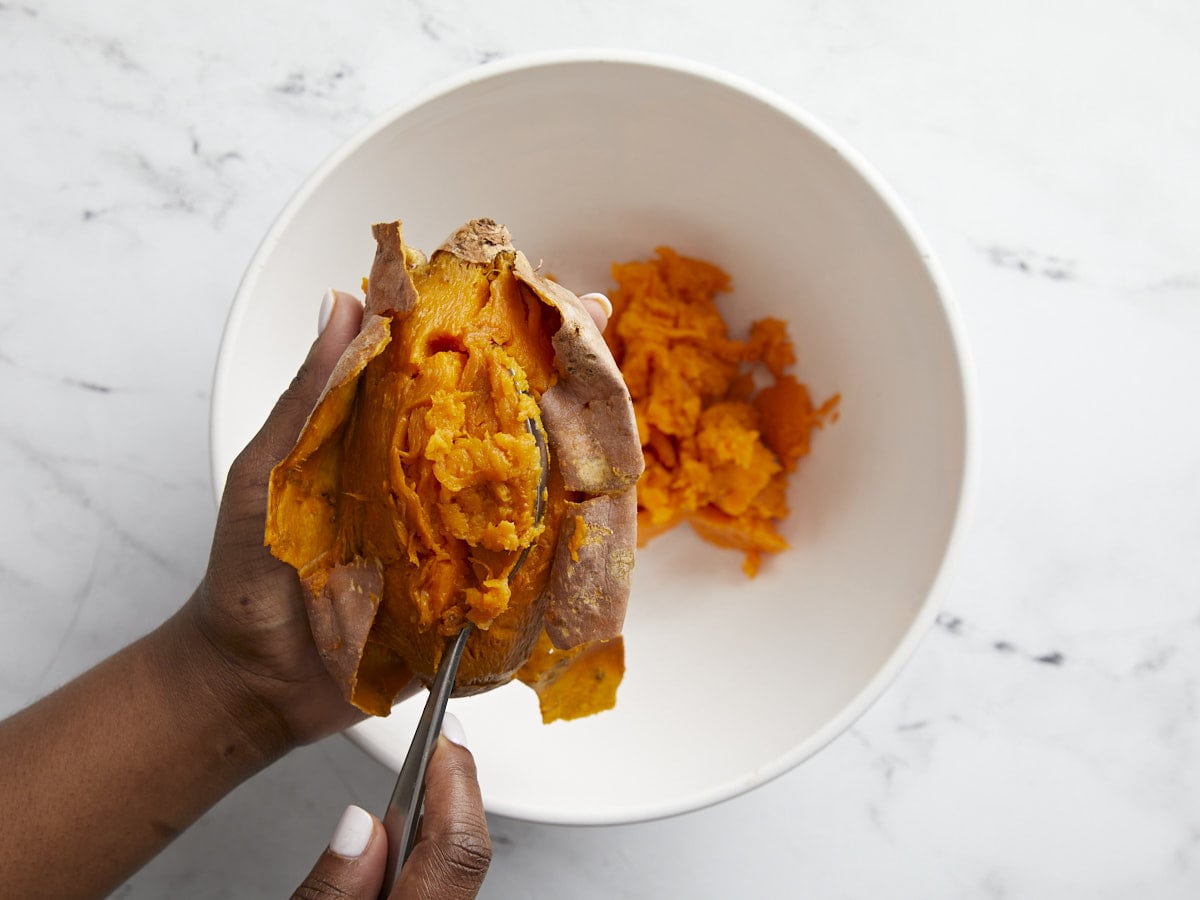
588	413
383	504
593	562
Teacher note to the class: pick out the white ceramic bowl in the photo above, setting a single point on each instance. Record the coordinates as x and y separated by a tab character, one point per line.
601	157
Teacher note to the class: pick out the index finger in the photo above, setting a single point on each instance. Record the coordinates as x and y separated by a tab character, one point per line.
599	307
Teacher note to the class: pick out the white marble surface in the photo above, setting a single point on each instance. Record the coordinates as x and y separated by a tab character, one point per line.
1045	740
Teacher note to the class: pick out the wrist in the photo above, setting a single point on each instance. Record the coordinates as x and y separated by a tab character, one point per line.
250	733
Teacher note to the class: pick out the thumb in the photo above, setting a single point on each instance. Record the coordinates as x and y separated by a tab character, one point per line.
351	868
453	848
339	320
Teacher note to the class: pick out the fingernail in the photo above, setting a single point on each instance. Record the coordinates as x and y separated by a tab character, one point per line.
601	300
326	310
452	731
353	833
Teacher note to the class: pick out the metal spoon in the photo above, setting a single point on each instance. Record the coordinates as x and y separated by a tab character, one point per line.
404	809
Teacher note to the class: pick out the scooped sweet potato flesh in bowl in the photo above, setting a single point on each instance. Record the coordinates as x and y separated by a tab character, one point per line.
411	493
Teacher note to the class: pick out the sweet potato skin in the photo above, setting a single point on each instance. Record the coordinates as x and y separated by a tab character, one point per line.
590	569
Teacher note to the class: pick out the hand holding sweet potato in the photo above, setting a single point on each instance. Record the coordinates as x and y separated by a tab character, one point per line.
409	496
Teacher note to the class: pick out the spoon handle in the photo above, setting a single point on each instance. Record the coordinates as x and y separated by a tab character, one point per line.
404	809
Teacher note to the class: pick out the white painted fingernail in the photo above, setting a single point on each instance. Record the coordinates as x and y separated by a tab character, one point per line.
600	300
353	833
452	731
326	310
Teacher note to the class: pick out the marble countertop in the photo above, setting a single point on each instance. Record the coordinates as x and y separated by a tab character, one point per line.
1044	740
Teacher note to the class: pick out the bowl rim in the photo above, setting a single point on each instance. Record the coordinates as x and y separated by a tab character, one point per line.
930	606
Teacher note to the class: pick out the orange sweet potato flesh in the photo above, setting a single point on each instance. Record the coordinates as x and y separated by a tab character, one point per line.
411	492
576	682
718	449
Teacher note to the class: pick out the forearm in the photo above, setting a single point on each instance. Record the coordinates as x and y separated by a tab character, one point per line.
98	777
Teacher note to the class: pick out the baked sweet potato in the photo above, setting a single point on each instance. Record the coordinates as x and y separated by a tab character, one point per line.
411	492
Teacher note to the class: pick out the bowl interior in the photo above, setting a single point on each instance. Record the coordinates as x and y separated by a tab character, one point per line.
730	681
